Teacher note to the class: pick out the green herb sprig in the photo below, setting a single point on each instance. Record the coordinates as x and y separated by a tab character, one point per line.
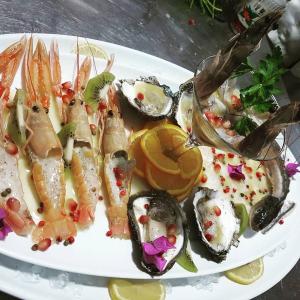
244	126
264	81
207	6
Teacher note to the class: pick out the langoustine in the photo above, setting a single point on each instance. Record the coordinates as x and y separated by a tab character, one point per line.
79	150
17	216
117	169
44	148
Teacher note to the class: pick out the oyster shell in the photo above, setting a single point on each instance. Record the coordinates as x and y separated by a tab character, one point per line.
162	212
149	97
264	214
184	111
217	222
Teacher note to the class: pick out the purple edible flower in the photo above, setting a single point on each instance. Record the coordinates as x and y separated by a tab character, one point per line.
153	251
4	228
235	172
292	169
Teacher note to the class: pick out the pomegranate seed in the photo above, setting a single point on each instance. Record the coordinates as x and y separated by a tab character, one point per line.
172	229
191	22
89	109
146	206
72	204
258	175
217	168
59	239
119	173
140	96
209	115
109	233
71	240
213	150
70	93
172	239
220	156
208	236
226	190
102	105
41	223
226	124
44	244
248	169
13	204
119	182
207	224
11	148
234	190
203	178
222	178
230	155
235	101
66	85
93	128
143	219
217	211
122	193
217	121
66	99
281	222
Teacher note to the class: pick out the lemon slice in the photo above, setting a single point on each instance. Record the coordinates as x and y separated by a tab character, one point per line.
248	273
120	289
89	49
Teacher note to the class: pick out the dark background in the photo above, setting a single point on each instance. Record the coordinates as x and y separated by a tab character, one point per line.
160	28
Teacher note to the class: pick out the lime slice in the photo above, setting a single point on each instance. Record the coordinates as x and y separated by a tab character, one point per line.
89	49
120	289
242	214
185	260
248	273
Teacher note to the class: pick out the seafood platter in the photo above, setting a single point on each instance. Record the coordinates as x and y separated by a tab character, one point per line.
104	170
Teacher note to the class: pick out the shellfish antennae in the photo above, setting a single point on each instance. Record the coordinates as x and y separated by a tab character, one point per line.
93	57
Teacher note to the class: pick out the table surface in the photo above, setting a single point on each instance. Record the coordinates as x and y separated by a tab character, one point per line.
160	28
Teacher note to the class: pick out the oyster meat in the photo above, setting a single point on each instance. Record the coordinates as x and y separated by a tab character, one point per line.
149	97
158	230
217	222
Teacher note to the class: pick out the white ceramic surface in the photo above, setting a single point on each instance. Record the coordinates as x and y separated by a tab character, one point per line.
95	254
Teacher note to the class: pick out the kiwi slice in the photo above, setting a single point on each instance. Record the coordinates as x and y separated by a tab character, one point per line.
185	260
66	131
242	214
94	85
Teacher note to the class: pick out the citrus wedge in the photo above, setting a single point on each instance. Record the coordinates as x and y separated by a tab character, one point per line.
159	146
190	163
135	152
173	184
89	49
248	273
120	289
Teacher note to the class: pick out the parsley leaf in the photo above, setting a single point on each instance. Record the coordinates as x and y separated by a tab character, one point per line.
264	80
244	126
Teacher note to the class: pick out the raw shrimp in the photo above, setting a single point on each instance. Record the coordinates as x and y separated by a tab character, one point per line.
117	170
44	148
11	192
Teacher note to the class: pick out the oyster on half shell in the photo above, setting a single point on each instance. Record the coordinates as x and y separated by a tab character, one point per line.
218	225
149	97
158	230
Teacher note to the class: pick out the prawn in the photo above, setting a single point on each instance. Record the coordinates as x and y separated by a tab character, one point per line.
44	148
11	192
117	168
